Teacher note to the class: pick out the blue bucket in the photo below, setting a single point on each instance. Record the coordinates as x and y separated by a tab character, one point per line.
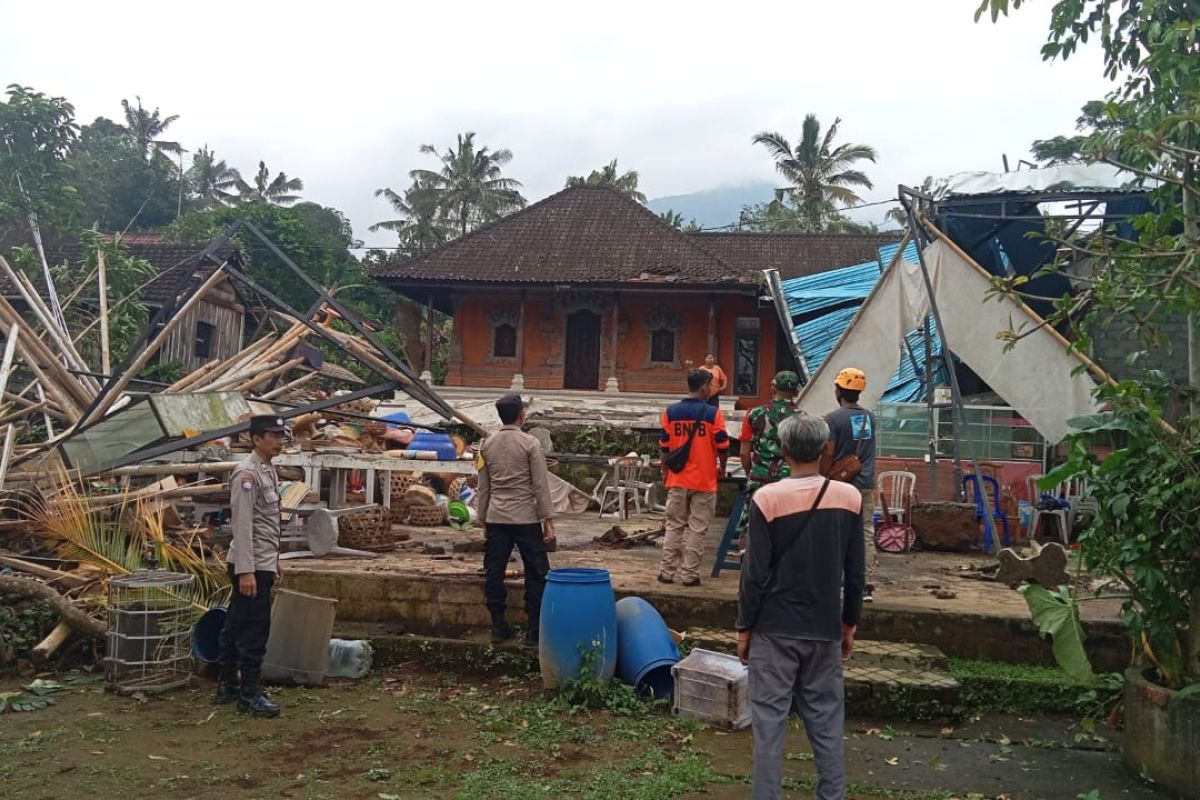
439	443
579	613
206	635
645	650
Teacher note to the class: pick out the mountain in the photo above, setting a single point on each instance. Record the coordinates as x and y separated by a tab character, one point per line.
712	208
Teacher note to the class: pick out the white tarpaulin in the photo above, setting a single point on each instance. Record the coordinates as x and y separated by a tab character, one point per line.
1034	377
1063	178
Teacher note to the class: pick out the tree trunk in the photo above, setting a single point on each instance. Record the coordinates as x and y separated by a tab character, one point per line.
1191	229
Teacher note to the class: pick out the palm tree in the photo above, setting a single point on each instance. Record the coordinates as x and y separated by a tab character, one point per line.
212	180
422	224
146	126
821	174
626	184
469	187
269	190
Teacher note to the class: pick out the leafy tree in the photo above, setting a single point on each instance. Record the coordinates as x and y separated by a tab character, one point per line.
422	224
469	186
675	220
821	174
1149	50
626	183
783	216
278	190
147	127
37	134
210	181
317	239
118	187
1069	149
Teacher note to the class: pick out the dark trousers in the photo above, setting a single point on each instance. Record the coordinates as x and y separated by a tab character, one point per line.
497	547
247	627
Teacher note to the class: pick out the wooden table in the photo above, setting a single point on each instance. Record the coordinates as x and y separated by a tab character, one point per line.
340	463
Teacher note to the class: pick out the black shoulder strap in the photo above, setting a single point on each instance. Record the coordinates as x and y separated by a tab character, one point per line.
779	552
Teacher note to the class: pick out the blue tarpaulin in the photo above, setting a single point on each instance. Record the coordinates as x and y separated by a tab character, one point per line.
822	306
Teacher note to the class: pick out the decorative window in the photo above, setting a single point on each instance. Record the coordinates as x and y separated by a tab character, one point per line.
205	335
662	346
664	329
504	321
504	341
746	339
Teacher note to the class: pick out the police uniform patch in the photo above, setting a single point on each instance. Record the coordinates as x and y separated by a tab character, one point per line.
479	462
247	484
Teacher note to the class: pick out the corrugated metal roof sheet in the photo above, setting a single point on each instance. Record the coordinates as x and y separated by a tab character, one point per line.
826	303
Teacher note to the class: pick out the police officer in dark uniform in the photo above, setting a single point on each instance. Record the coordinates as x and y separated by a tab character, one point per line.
253	563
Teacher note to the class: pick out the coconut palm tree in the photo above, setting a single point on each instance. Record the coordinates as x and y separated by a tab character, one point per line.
821	174
626	184
266	189
146	127
213	183
422	224
469	186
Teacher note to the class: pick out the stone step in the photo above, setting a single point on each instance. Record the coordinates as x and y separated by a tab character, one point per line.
905	686
883	679
900	655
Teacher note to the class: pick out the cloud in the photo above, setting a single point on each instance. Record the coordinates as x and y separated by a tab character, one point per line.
343	95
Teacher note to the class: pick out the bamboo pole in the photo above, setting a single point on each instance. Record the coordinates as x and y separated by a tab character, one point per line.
102	278
61	339
64	400
193	376
229	366
152	346
33	349
33	409
287	387
270	375
10	350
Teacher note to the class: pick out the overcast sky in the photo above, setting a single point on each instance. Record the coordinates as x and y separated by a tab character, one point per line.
342	94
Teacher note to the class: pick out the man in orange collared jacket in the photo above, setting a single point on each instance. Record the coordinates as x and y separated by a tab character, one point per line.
692	491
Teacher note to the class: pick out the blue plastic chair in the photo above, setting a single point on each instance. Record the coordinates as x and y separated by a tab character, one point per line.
977	495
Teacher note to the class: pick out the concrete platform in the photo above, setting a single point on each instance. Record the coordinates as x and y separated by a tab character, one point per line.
443	595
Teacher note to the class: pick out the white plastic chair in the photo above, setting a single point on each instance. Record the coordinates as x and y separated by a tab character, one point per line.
1064	517
626	485
898	487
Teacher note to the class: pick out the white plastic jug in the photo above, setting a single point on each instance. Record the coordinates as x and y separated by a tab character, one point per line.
348	658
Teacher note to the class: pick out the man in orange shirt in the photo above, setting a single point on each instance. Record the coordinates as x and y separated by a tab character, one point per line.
692	490
719	379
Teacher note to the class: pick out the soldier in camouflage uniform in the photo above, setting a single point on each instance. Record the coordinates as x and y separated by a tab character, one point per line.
762	456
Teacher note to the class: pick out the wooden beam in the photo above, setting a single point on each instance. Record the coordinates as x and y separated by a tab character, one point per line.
152	346
616	324
65	578
520	335
102	279
429	334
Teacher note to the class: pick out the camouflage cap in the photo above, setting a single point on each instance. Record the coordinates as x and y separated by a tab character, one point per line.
787	381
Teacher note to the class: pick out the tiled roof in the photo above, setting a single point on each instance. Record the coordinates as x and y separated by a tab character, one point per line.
579	235
175	263
795	255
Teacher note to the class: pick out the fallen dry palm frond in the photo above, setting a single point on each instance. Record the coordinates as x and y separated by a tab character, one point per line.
116	539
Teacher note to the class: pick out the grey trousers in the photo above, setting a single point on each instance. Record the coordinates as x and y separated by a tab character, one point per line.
811	671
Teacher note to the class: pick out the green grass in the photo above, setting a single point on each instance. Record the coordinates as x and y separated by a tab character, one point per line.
1017	688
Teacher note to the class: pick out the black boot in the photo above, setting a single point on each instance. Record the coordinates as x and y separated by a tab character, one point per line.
257	704
531	636
227	686
501	630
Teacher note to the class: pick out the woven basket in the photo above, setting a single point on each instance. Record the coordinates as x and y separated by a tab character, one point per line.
375	428
420	495
426	515
367	530
400	509
400	481
455	488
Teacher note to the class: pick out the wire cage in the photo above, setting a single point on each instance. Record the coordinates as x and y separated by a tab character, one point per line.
149	636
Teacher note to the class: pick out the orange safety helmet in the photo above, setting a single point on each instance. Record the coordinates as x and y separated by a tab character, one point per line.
851	379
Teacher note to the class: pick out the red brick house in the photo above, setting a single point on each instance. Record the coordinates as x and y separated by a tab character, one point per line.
588	290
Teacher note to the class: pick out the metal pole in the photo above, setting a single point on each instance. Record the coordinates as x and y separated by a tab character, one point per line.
930	411
960	422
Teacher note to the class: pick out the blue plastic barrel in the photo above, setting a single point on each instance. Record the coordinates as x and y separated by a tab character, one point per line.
206	635
439	443
645	650
579	615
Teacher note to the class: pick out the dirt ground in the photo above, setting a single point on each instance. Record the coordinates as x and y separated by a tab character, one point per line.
904	582
405	733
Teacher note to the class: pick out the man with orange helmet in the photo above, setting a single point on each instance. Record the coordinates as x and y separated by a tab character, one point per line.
851	455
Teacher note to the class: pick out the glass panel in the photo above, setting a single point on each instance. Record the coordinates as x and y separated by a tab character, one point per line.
662	346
